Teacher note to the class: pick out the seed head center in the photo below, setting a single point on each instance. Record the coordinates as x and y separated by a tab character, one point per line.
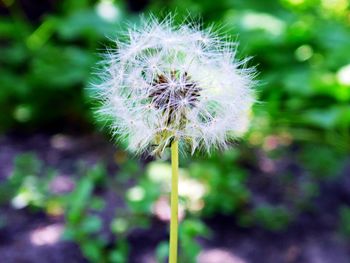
174	92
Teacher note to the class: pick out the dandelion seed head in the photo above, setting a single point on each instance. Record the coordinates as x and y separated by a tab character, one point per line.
167	82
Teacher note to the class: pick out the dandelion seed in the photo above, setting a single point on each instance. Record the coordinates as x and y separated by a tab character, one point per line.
169	82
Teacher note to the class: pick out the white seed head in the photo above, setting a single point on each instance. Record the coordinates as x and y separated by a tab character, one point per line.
167	82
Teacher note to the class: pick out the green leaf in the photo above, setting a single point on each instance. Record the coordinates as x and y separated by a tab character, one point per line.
91	224
162	251
80	200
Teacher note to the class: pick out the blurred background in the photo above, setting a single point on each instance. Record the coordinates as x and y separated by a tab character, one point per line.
69	194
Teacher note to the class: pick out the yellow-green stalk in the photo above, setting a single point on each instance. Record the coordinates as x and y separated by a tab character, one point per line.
174	202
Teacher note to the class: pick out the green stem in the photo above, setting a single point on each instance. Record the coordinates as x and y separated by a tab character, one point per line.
174	202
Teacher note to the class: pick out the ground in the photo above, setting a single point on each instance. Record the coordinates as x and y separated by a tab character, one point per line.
312	238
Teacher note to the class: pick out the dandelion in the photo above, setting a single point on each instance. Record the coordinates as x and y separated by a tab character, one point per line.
167	84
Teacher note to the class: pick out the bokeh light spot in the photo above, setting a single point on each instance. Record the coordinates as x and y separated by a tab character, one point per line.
219	256
136	193
337	7
22	113
119	225
107	10
303	53
262	21
48	235
343	75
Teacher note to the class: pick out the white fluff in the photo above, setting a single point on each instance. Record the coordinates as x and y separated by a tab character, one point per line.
205	96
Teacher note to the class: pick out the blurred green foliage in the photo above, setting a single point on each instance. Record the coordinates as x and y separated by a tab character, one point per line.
28	185
300	49
34	187
45	64
85	224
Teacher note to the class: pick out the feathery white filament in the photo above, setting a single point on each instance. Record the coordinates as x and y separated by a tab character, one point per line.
167	82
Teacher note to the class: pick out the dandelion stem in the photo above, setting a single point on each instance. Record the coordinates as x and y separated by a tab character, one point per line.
174	202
